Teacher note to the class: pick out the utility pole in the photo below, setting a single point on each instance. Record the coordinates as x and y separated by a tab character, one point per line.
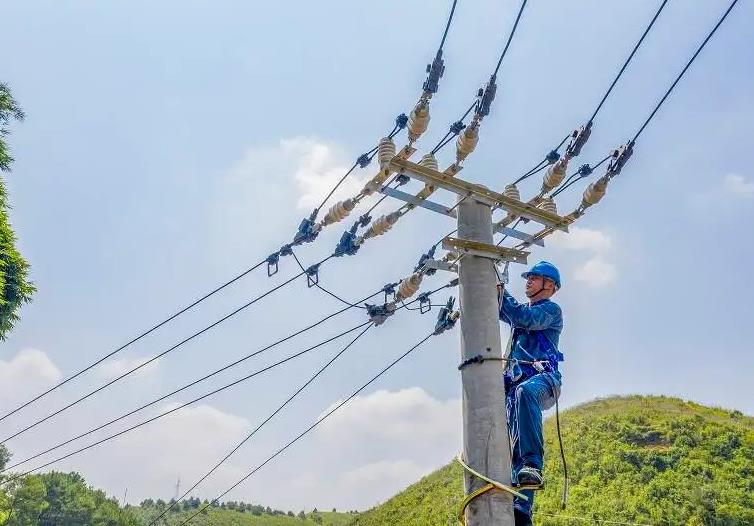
485	430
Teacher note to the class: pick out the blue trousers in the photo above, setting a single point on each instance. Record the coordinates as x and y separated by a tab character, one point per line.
525	401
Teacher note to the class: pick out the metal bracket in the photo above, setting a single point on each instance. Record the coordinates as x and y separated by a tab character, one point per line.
312	275
485	250
516	234
478	192
413	200
439	265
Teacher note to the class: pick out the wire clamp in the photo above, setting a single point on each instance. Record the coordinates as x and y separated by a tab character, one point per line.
457	127
272	264
585	170
552	157
447	317
425	303
435	71
389	291
423	260
312	275
401	121
620	158
379	313
486	96
347	245
363	160
306	230
578	140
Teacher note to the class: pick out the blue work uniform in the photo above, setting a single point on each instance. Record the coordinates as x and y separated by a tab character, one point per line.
530	389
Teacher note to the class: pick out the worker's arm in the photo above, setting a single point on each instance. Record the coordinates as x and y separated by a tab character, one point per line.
534	317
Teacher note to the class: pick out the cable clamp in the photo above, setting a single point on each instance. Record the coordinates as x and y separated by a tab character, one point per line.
435	71
425	303
585	170
578	140
457	127
447	317
363	160
307	232
347	245
312	275
552	157
379	313
423	259
486	96
401	121
286	250
620	158
389	290
272	264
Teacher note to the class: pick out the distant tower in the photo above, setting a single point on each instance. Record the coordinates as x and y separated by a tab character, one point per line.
177	489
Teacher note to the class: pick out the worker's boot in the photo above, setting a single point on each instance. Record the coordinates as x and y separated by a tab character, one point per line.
522	519
529	477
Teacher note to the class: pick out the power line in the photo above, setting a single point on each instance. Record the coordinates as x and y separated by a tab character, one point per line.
185	404
163	353
310	428
510	38
191	384
131	342
628	60
264	422
683	71
447	26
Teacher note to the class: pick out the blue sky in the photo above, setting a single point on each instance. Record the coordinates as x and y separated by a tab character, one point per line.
167	147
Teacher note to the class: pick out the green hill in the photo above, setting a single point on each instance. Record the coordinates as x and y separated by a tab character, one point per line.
650	460
232	514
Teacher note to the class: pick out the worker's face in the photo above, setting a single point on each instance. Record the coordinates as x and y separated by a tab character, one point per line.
537	284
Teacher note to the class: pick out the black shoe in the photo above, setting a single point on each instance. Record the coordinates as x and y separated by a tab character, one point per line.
522	519
529	476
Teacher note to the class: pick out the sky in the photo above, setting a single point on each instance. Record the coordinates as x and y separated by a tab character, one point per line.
169	146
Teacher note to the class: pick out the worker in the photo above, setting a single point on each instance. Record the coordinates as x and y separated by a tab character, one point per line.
532	380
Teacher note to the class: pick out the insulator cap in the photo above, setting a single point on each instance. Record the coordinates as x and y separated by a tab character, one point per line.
385	151
409	286
594	192
429	161
511	190
418	121
466	142
338	211
381	225
548	205
554	175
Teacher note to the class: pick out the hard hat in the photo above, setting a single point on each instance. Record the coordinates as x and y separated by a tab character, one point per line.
546	270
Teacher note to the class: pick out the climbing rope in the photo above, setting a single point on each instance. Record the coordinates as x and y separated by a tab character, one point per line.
491	485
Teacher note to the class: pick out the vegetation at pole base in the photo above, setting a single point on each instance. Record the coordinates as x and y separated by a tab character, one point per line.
650	460
233	513
15	287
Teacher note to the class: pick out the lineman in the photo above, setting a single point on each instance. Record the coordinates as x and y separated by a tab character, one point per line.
532	380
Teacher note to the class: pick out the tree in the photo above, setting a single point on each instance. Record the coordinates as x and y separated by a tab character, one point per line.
15	287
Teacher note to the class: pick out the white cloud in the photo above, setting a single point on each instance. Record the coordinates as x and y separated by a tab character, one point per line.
114	368
597	270
738	185
26	374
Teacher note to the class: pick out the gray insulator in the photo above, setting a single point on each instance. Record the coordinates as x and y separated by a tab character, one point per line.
594	192
548	205
466	142
511	190
418	121
385	151
554	175
338	211
429	161
409	286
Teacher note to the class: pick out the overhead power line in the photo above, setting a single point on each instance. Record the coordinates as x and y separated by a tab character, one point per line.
191	384
510	38
311	427
156	357
131	342
262	424
683	71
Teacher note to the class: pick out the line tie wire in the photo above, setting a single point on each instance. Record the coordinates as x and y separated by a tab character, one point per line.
262	424
132	341
191	384
185	404
683	71
311	427
163	353
152	419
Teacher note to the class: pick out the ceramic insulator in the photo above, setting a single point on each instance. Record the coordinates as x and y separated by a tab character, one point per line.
338	211
385	151
511	190
554	175
466	142
594	192
429	161
418	121
548	205
409	286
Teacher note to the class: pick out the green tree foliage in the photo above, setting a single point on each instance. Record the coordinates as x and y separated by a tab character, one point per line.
15	287
53	499
650	460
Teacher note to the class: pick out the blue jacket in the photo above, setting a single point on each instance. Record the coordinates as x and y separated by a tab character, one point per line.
536	333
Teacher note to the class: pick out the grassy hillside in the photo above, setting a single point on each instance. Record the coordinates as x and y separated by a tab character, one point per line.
650	460
216	516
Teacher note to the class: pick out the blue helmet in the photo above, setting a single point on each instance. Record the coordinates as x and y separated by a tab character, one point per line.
546	270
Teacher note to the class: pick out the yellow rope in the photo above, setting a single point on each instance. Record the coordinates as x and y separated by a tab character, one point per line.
471	496
491	485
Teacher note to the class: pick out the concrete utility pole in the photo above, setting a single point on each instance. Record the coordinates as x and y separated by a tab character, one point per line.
485	430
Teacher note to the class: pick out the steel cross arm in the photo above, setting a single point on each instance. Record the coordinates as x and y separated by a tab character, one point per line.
479	193
485	250
417	201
